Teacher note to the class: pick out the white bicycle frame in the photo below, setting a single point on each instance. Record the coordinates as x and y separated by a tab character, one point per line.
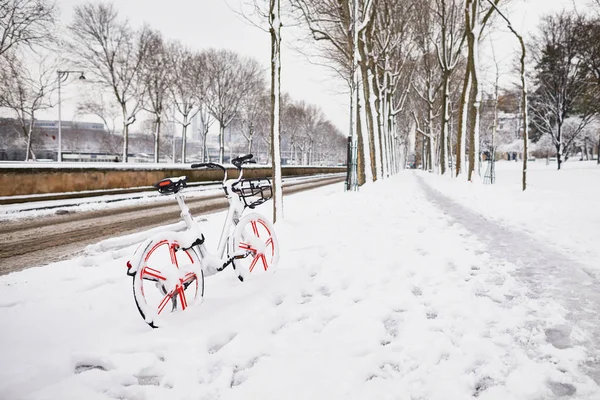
212	264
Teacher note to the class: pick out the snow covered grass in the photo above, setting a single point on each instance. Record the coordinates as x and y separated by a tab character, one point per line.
378	295
559	208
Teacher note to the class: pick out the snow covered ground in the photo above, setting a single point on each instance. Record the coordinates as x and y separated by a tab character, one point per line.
392	292
559	208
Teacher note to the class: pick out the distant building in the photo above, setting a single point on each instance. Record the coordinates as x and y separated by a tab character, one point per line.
51	125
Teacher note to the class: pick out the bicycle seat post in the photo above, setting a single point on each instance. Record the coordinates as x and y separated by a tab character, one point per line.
185	211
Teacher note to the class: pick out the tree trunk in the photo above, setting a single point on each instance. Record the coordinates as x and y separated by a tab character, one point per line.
221	142
157	139
367	114
125	133
463	121
598	150
445	120
473	42
431	138
184	127
275	29
204	149
28	148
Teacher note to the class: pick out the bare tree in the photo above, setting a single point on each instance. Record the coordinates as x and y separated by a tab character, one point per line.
185	86
524	94
157	78
114	53
253	112
477	15
274	19
25	93
206	121
231	78
25	22
447	15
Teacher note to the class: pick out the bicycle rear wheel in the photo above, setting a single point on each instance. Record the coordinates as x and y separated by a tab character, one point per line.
168	278
255	245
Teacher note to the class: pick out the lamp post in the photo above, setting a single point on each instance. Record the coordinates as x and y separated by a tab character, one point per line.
62	77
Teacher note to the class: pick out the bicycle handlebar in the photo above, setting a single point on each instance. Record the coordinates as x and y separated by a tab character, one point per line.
209	165
237	162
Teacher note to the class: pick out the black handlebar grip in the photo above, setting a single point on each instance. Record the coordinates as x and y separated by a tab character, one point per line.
208	165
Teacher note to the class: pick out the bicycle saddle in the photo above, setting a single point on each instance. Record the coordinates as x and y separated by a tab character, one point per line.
171	185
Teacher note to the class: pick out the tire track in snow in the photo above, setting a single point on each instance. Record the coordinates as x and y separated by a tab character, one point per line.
548	273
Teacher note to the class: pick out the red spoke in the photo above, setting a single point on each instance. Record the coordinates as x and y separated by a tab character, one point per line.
245	246
153	273
255	228
264	260
173	255
254	262
182	297
165	301
156	246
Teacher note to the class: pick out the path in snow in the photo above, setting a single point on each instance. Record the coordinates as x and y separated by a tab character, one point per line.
548	273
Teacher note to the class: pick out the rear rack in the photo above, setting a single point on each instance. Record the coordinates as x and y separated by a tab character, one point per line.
254	191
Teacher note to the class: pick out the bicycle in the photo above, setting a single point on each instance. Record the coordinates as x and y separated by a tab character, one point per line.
169	268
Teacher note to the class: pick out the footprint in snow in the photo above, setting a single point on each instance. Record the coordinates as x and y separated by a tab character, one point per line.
240	372
559	336
87	367
218	346
148	380
324	291
562	389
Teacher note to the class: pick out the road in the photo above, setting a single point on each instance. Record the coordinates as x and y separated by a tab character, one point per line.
45	240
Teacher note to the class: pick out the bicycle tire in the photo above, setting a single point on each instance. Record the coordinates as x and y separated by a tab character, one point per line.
254	236
160	285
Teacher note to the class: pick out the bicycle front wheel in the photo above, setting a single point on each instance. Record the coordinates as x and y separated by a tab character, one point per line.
255	246
167	278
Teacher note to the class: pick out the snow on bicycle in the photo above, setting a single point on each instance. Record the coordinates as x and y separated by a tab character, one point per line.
169	268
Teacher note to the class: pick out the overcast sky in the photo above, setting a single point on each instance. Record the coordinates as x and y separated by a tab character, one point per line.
202	24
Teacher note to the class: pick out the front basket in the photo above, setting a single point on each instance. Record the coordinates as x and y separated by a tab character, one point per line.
254	191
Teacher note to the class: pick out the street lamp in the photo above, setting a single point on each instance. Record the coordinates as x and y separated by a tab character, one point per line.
62	77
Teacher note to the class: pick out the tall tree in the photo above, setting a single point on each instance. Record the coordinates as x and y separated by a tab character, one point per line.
157	79
185	86
448	46
524	94
477	14
232	78
113	52
562	85
25	93
275	31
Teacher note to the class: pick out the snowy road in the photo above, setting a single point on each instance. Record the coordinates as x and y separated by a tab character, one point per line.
386	293
51	238
549	275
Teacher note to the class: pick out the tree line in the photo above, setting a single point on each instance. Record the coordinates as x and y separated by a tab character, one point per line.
414	66
140	72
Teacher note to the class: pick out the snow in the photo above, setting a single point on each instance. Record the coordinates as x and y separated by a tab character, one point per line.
392	292
557	208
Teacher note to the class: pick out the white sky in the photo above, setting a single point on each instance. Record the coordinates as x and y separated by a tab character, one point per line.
212	23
